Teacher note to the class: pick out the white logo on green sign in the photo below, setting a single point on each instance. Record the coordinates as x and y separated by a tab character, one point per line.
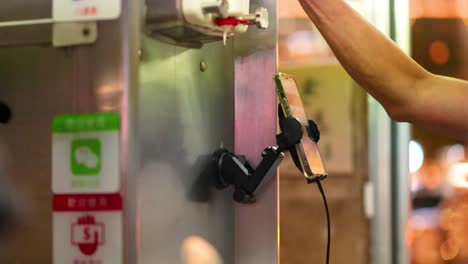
86	157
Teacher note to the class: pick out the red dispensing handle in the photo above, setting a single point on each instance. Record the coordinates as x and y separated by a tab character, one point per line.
231	21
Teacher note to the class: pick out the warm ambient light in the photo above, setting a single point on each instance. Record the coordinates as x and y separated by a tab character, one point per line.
439	8
293	9
455	153
458	175
416	156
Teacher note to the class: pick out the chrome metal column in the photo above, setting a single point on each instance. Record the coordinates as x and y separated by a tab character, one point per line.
401	137
380	154
388	153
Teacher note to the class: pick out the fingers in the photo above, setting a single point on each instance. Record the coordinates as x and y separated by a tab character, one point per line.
196	250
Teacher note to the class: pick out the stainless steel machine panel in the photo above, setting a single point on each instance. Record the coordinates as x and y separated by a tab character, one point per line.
177	105
25	10
11	10
38	82
185	114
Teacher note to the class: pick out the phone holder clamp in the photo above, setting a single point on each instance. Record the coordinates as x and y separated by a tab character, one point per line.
236	170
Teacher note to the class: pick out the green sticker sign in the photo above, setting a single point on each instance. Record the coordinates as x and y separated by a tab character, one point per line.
86	153
86	123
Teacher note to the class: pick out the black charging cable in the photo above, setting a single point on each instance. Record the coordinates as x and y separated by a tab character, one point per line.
327	212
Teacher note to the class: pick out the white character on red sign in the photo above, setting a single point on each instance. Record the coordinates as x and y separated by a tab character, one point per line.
88	234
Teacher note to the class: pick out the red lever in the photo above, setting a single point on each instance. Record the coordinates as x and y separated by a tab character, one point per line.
231	21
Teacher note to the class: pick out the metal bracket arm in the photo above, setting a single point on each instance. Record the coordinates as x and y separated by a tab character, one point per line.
236	170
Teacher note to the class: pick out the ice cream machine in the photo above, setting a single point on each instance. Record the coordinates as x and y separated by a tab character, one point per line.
115	109
192	23
123	122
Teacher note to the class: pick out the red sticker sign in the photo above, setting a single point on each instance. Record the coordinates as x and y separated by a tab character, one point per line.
88	229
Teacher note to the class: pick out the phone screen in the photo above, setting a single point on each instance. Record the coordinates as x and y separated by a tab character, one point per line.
292	106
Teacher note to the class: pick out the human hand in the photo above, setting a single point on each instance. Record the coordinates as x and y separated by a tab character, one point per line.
196	250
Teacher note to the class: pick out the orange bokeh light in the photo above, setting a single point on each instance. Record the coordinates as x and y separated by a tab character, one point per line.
439	52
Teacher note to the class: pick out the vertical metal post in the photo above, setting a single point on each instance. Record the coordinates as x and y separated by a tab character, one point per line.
380	155
380	173
389	150
400	144
131	30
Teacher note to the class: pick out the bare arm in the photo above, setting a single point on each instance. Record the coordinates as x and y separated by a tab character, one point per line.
406	90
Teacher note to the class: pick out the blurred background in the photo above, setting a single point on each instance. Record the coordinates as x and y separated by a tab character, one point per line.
430	205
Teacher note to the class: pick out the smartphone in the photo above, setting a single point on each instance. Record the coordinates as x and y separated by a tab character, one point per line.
306	151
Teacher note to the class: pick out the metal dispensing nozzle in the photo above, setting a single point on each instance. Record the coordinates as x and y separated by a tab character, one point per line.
260	18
